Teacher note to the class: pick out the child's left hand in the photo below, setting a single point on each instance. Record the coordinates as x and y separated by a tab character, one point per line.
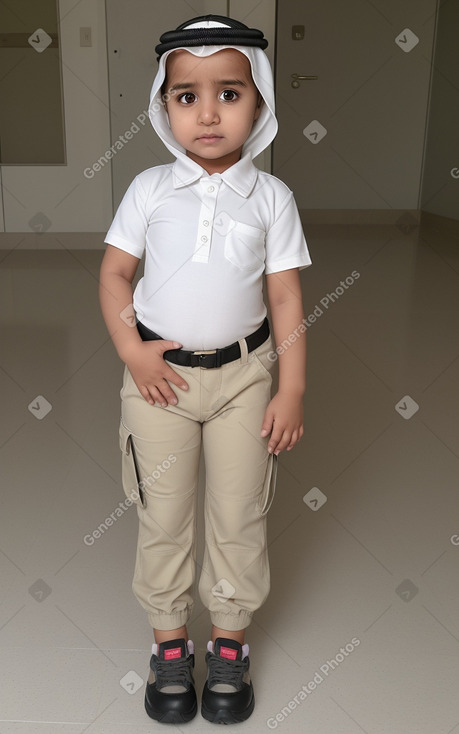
284	420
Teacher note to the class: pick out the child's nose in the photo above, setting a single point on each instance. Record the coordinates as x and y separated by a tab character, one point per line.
208	112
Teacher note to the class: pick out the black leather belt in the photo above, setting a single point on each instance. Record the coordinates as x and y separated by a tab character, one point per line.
208	358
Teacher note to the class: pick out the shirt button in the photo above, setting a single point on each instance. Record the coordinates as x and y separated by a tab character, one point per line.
210	189
203	238
205	223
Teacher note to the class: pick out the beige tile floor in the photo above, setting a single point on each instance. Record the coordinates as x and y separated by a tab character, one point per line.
372	571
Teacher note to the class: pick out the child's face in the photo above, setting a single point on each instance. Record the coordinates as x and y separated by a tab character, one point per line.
213	106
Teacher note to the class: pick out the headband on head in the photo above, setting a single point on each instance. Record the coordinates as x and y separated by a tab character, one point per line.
210	30
195	37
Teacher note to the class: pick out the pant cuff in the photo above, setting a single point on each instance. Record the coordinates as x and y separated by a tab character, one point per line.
164	621
233	622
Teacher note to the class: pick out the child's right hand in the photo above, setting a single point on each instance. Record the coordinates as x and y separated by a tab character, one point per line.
152	374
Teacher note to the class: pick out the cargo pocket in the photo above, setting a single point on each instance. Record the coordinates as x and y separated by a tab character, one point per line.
269	486
129	469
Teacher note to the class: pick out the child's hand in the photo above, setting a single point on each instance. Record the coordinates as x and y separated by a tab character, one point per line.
284	420
151	373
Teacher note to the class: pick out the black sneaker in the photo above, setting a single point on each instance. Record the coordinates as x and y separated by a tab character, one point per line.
227	697
170	695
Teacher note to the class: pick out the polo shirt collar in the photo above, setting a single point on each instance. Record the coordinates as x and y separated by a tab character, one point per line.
241	177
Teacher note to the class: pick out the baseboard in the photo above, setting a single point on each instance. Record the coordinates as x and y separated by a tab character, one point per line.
396	217
52	240
445	224
367	217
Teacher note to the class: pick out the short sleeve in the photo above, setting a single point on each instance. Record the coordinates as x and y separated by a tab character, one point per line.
285	242
130	224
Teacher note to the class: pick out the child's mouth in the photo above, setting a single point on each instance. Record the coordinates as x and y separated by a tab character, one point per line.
209	138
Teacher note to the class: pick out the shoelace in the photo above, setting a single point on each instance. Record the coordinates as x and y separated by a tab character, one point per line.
226	671
173	672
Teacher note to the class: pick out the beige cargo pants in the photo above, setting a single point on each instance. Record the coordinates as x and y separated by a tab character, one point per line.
224	409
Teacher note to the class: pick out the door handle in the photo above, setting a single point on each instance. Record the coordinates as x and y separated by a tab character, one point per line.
297	78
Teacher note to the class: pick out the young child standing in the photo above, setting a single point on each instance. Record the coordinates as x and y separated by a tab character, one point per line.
210	225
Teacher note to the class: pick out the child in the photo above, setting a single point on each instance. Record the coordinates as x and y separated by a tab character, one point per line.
210	224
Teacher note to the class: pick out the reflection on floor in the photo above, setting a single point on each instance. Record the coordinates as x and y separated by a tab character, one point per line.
360	632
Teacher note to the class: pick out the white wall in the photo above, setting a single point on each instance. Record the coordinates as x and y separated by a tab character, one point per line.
440	185
71	202
77	204
367	109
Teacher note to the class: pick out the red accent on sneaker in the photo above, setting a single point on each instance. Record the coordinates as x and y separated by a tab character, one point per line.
173	653
228	652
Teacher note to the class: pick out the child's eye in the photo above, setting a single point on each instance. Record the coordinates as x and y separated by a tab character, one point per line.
229	95
187	98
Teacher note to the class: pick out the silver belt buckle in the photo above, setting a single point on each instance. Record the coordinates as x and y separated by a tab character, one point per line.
200	356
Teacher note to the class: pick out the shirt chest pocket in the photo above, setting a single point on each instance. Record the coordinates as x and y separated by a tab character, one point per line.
245	246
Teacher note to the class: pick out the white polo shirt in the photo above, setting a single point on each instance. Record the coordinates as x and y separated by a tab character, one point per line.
207	242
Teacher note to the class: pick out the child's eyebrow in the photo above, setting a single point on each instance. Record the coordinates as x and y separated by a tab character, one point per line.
219	82
231	82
